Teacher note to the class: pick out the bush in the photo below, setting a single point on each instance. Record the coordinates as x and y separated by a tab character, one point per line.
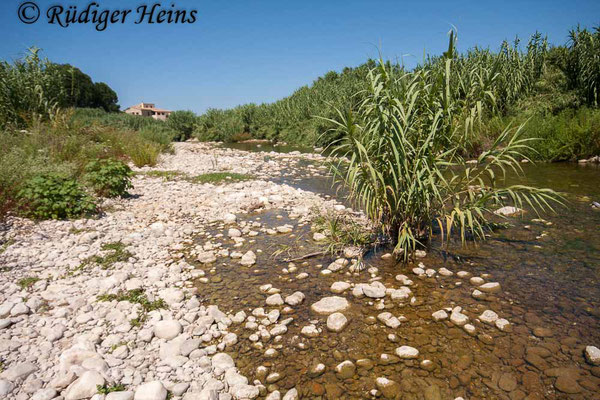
143	153
109	178
54	197
182	122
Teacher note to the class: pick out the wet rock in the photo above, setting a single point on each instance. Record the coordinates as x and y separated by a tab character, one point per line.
508	211
336	322
476	281
440	315
291	394
567	384
274	300
340	287
490	287
390	389
457	317
592	355
316	369
503	325
478	294
295	298
375	290
432	393
248	259
542	332
206	257
345	369
507	382
389	320
329	305
310	331
445	272
407	352
488	317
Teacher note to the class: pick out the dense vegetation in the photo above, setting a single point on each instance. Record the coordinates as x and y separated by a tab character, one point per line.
32	89
49	158
554	89
401	150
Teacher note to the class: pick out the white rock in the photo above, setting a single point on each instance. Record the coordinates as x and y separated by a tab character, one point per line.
244	392
19	371
248	259
490	287
295	298
592	354
291	394
389	320
151	391
508	210
440	315
167	329
340	287
336	322
407	352
85	386
329	305
274	300
310	331
6	388
488	317
503	325
222	361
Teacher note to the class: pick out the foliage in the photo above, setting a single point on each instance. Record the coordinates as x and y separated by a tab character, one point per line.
342	231
220	177
400	153
103	389
165	175
109	178
117	253
136	296
54	197
183	123
28	282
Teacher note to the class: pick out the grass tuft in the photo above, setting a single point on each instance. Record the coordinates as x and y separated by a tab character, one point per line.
220	177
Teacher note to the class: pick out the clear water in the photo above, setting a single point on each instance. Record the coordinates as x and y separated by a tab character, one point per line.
549	271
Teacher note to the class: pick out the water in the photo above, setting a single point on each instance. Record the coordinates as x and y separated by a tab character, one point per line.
548	269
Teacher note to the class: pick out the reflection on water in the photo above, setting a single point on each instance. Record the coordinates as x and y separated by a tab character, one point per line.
549	270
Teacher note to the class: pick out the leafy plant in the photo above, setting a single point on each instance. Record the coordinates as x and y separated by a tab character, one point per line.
104	389
109	178
400	157
183	123
117	253
136	296
55	197
27	283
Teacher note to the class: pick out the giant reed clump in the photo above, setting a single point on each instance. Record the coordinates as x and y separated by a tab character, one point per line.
401	154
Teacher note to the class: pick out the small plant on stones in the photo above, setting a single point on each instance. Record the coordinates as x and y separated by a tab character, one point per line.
136	296
53	196
109	178
220	177
117	254
27	283
103	389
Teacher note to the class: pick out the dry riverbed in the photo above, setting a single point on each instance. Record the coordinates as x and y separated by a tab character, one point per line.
176	292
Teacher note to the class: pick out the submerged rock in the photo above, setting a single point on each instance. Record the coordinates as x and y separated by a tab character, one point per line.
336	322
407	352
592	355
330	305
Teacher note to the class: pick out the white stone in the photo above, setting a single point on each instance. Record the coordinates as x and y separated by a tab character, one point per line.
336	322
274	300
85	386
592	354
248	259
295	298
329	305
151	391
490	287
488	317
340	287
167	329
389	320
440	315
407	352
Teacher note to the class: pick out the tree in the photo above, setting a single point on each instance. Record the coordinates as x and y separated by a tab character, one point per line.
183	123
105	97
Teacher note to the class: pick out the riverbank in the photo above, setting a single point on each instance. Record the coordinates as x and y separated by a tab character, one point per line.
181	288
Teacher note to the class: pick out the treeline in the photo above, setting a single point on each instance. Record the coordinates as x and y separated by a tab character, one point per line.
554	87
32	89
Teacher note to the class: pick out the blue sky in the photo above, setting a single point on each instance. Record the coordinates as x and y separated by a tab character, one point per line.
261	50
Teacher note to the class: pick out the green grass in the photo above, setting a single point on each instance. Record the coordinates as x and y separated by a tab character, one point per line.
341	231
27	283
117	254
136	296
103	389
220	177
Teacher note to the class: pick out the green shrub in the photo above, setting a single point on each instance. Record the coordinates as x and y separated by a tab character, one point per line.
109	178
54	197
143	153
182	122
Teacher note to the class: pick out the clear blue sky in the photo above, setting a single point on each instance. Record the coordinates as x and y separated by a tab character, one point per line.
261	50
